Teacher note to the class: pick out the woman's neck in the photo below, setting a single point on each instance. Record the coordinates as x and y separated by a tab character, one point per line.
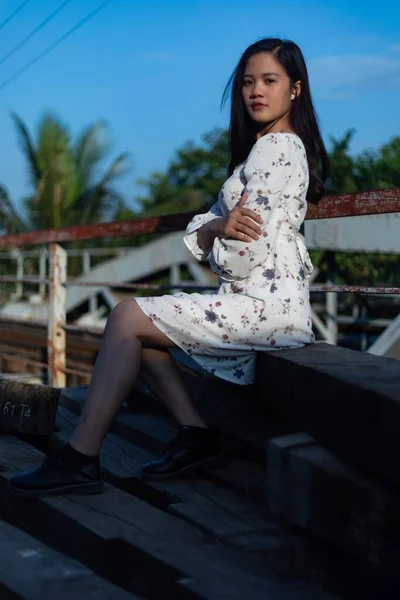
281	125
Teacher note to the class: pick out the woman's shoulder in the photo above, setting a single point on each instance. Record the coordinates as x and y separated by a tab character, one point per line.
278	149
280	140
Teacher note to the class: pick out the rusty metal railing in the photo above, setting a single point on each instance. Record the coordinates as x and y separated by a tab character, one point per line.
373	202
344	289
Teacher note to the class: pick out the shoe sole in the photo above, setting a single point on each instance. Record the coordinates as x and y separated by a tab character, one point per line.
81	490
210	463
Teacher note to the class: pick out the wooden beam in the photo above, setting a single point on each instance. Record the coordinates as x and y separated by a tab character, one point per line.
27	408
313	489
31	570
348	401
139	547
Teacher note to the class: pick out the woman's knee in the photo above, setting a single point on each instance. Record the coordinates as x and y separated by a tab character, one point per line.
123	315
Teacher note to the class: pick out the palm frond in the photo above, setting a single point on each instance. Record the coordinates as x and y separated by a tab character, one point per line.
68	189
89	150
53	140
99	200
28	149
118	168
10	219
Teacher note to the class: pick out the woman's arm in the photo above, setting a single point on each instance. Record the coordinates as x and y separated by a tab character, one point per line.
191	237
240	224
206	234
270	165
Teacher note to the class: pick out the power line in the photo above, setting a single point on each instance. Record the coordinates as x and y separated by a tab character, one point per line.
34	31
50	48
14	14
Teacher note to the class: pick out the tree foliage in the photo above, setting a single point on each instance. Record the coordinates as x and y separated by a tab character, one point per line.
68	187
369	170
192	179
69	183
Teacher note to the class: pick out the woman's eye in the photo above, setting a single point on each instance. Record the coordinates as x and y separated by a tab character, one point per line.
247	82
270	80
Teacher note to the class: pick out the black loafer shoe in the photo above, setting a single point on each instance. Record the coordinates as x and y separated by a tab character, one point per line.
194	448
54	478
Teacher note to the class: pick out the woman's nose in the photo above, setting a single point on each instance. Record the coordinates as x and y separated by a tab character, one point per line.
256	89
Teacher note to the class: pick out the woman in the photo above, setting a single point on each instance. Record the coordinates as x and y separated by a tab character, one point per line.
250	235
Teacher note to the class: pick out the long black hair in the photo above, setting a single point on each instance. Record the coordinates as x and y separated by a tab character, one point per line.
303	119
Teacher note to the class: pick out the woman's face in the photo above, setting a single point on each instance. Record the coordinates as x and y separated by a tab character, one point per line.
267	90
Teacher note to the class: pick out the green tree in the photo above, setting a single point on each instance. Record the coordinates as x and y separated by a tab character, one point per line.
371	169
192	179
67	186
70	184
341	176
388	164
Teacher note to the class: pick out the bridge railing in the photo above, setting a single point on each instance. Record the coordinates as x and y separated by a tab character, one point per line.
373	202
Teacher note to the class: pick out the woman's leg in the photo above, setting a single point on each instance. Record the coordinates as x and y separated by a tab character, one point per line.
161	374
129	336
117	368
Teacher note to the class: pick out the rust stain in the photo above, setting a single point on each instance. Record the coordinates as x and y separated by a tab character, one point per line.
164	224
373	202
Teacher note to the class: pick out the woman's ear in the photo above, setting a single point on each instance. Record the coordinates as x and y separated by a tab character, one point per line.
296	90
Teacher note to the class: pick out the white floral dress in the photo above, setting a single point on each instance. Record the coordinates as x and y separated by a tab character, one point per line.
262	302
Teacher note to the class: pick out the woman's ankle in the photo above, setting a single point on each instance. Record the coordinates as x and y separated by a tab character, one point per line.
75	458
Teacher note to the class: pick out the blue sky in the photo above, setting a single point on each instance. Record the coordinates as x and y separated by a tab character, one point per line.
155	70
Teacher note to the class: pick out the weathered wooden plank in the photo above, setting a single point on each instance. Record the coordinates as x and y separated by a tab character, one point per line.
35	571
312	488
349	401
200	502
27	408
153	431
145	549
225	515
240	412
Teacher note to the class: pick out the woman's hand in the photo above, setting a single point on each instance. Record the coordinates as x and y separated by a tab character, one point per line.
240	224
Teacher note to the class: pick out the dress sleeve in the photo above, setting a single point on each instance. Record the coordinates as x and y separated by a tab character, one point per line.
268	168
198	221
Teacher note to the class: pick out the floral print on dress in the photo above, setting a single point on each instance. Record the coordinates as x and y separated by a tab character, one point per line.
262	303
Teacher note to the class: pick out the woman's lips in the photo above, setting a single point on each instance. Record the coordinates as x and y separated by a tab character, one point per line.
258	106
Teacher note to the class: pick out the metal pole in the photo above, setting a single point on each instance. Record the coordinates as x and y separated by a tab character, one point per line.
42	271
331	302
20	274
86	266
56	338
175	276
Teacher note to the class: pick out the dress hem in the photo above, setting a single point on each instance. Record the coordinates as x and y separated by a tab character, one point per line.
161	327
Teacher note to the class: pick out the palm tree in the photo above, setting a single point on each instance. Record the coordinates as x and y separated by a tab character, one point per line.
68	187
10	220
64	175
